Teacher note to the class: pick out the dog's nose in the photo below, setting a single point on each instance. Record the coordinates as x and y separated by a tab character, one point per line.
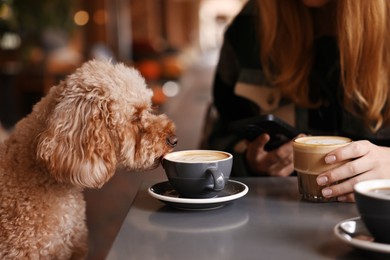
172	140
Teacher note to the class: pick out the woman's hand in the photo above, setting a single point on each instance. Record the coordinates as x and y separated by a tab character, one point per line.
368	161
278	162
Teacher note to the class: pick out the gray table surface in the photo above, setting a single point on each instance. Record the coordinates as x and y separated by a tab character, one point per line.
269	222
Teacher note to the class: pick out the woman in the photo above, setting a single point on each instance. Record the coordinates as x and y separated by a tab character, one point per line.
321	65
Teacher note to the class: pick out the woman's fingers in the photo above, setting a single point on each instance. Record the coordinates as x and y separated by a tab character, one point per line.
347	170
351	151
278	162
282	171
257	146
283	162
364	161
343	187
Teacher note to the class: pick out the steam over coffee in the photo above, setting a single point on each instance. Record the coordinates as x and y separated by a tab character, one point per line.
309	162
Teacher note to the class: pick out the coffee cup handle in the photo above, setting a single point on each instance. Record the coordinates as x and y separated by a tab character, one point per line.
219	182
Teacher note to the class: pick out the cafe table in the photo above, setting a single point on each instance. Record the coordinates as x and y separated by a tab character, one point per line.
268	222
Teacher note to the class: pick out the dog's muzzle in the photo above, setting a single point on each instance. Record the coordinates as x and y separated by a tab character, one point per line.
172	140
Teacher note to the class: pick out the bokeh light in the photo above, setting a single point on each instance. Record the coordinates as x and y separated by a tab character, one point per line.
81	18
171	88
10	41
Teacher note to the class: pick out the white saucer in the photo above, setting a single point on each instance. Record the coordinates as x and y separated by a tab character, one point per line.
164	192
353	232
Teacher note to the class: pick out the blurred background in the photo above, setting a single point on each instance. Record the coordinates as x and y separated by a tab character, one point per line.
173	43
45	40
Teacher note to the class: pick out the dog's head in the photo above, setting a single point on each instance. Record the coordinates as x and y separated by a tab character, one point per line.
102	119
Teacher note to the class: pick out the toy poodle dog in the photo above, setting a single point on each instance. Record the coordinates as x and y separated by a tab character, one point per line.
97	120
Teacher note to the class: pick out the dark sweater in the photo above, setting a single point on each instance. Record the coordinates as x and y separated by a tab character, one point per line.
240	64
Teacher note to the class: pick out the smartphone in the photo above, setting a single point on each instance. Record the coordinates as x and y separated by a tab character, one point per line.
250	128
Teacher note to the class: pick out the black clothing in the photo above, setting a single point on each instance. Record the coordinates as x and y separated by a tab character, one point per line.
239	68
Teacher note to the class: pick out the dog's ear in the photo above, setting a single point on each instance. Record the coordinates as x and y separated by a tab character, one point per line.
76	146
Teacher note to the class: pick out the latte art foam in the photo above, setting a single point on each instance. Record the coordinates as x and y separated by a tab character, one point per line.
323	140
309	162
196	156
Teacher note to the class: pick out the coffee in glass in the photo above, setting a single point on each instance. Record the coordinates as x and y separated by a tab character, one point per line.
309	162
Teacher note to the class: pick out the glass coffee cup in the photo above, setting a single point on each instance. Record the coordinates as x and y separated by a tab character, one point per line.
309	162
